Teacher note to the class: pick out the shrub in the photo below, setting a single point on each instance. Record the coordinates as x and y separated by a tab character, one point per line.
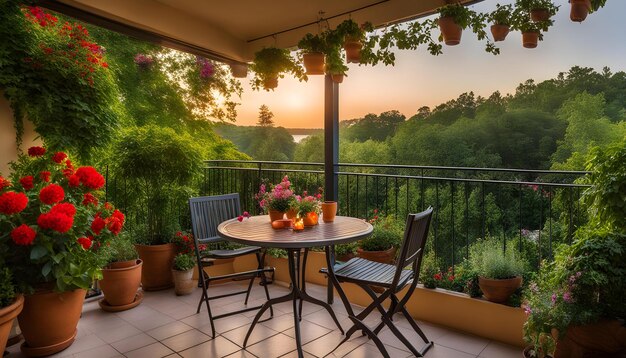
488	260
387	233
121	249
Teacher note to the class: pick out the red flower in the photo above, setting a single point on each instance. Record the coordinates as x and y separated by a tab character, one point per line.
68	172
4	183
74	181
56	221
36	151
85	242
108	206
437	276
88	198
90	177
64	208
68	164
23	235
45	176
12	202
51	194
27	182
59	157
97	225
115	222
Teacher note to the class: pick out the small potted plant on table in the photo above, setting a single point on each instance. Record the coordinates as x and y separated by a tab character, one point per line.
278	200
309	207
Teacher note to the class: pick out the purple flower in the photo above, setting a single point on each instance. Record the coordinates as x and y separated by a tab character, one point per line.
553	298
206	67
528	310
567	297
143	61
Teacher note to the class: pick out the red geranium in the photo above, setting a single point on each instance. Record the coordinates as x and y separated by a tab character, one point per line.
115	222
97	225
90	177
59	157
4	183
56	221
85	242
36	151
64	208
88	198
45	176
74	181
27	182
51	194
23	235
12	202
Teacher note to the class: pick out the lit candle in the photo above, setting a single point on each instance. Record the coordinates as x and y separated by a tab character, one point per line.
298	224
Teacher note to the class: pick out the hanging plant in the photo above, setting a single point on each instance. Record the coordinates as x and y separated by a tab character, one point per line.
312	52
539	10
272	63
501	18
352	36
335	66
531	31
453	18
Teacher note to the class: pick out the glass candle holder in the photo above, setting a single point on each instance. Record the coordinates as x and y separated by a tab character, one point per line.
298	224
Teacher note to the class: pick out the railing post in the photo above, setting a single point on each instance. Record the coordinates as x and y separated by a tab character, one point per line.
331	150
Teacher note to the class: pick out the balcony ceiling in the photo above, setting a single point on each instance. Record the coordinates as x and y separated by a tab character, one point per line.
230	30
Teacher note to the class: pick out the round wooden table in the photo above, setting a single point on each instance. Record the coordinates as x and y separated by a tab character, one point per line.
257	231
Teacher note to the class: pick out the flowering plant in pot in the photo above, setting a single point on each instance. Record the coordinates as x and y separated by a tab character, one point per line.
121	277
278	200
309	207
386	236
55	228
184	263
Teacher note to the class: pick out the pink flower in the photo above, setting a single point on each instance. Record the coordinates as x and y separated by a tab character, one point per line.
240	218
567	297
553	298
246	214
527	310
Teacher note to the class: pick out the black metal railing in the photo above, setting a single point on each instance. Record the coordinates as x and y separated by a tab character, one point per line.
540	208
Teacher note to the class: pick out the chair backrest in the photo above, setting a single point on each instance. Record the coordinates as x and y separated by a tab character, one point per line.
207	212
412	250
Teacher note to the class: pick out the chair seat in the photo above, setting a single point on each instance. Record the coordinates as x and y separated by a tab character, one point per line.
369	272
228	254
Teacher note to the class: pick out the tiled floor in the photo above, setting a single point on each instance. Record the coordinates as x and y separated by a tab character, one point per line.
167	325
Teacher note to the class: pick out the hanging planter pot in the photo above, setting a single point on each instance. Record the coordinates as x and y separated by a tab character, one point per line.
353	50
337	78
539	15
314	63
530	39
270	83
239	70
450	31
579	10
499	32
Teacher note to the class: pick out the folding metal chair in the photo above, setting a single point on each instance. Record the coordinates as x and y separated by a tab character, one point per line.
206	214
393	279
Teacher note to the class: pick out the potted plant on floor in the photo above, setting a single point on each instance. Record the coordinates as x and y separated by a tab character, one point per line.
501	18
55	226
499	273
312	49
158	166
11	304
272	63
278	200
576	302
184	263
121	277
381	246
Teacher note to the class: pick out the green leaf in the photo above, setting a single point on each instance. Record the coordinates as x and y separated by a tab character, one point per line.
45	270
38	252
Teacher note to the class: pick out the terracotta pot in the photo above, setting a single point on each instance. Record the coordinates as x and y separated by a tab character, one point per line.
499	291
310	219
450	31
48	321
329	211
579	10
157	263
276	215
539	15
270	83
239	70
120	281
386	257
314	63
291	213
530	39
7	314
353	51
337	78
499	32
183	282
606	338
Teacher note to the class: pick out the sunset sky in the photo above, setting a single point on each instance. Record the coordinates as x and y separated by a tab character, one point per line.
420	79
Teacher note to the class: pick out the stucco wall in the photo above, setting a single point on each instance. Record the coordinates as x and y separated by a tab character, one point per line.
8	146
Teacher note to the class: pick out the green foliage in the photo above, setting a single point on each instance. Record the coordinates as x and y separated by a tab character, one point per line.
184	262
350	30
502	15
120	249
488	260
69	95
7	289
312	43
159	166
459	13
261	143
272	62
388	232
309	149
372	126
265	117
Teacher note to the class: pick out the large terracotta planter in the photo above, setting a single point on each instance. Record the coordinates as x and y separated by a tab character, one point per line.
579	10
386	257
7	314
329	211
530	39
157	263
314	63
450	31
353	51
48	321
183	282
606	338
120	281
539	15
276	215
499	291
499	32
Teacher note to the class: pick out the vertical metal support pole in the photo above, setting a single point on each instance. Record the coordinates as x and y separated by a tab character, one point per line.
331	150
